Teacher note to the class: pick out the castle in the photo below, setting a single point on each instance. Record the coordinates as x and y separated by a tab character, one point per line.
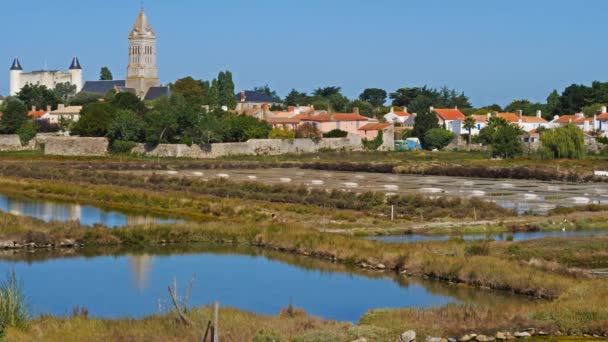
142	72
50	79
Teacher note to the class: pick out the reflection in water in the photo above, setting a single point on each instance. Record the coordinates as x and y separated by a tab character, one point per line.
140	266
119	282
520	236
68	212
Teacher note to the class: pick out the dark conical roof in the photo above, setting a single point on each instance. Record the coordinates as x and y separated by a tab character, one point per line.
75	64
16	65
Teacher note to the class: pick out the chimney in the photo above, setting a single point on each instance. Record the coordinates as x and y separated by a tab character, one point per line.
555	117
265	111
243	96
48	109
539	113
405	109
595	122
519	113
356	110
489	115
432	109
331	117
604	110
33	108
456	107
60	106
392	110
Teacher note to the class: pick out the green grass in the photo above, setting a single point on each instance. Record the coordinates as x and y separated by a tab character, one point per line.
13	308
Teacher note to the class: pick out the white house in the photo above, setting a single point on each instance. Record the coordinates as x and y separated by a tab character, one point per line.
71	113
397	117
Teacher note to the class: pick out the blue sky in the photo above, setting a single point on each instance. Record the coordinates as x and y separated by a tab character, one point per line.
493	50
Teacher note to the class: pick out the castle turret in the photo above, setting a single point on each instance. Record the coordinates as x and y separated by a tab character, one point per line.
142	73
76	72
15	77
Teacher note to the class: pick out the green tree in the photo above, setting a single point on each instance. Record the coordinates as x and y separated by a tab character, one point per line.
365	108
554	105
27	132
82	99
193	91
128	101
105	74
374	96
296	98
575	97
240	128
95	120
593	109
566	141
126	126
486	134
172	120
425	121
308	131
336	133
14	116
469	124
65	91
39	96
326	92
437	138
213	97
226	90
506	142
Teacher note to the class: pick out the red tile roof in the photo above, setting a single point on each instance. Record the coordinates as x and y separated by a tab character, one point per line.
449	114
509	117
566	119
581	121
282	121
406	114
37	114
603	116
373	126
532	119
334	117
480	118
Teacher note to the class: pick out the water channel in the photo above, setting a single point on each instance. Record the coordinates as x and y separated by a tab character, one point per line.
64	212
518	236
520	195
113	283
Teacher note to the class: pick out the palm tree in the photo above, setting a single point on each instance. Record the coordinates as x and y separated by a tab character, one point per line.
469	124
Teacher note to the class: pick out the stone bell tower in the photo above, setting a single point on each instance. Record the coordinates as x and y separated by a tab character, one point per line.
142	73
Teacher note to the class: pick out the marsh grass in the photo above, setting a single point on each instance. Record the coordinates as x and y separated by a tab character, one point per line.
13	307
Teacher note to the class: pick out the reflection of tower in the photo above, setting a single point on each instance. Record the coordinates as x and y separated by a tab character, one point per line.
140	220
75	212
140	266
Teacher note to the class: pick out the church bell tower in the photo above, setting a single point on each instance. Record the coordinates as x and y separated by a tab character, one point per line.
142	73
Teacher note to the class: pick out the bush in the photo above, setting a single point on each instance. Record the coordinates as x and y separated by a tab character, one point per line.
27	132
506	142
121	147
335	133
437	138
13	310
375	143
282	133
563	142
308	131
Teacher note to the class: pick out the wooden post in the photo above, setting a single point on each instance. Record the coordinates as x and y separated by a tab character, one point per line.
216	334
392	213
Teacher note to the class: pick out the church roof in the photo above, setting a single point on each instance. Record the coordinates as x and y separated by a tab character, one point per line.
75	64
142	27
249	96
156	92
16	65
102	87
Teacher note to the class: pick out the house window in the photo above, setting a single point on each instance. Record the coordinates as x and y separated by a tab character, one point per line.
478	127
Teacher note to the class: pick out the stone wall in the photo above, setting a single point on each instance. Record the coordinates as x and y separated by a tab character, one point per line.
251	147
75	146
10	142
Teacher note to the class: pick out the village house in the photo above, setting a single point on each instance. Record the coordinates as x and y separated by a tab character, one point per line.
326	122
398	117
70	113
36	114
253	100
452	119
370	130
584	123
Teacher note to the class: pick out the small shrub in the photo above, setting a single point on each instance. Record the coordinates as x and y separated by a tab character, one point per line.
121	147
335	133
282	134
478	248
13	309
437	138
374	144
27	132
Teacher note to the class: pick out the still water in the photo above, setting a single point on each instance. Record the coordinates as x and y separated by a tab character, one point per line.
520	236
134	283
63	212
